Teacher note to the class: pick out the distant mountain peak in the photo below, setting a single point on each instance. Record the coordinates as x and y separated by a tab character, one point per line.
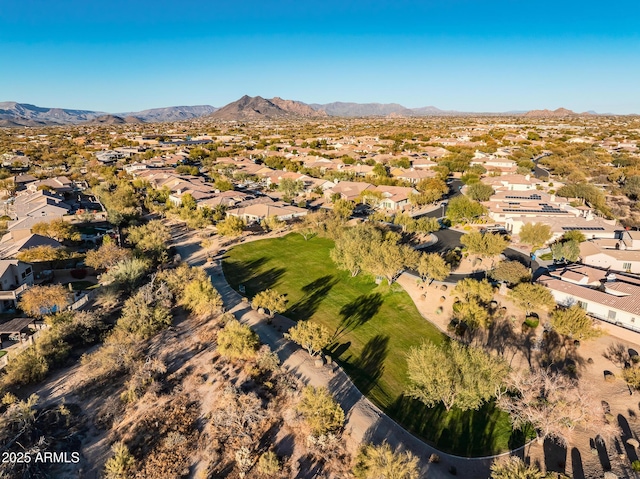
558	113
258	108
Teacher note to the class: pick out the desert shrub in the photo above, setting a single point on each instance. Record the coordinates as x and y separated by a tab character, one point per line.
269	465
237	341
27	367
121	464
201	297
373	462
320	411
147	312
267	360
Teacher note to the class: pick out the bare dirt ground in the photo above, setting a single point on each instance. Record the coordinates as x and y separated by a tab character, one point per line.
191	362
581	458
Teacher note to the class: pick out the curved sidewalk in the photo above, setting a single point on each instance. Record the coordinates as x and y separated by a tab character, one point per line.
365	422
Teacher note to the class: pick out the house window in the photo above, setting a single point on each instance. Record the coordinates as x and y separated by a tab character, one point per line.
626	266
27	271
582	304
612	315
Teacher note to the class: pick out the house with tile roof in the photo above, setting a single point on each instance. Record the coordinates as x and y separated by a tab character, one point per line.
255	213
614	298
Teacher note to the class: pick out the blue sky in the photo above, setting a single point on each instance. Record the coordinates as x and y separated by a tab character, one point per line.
456	54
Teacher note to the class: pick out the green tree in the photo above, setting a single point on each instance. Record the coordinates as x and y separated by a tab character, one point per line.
200	297
472	313
574	235
270	300
571	250
107	256
454	375
462	209
389	259
352	247
147	312
311	336
343	209
128	272
631	187
222	184
272	223
150	239
479	191
290	188
371	198
121	464
382	462
188	202
380	170
535	234
574	323
232	226
42	253
433	267
238	341
39	301
320	411
58	229
424	225
529	296
515	468
484	244
511	272
469	288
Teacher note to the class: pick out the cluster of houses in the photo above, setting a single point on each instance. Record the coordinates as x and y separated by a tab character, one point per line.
611	297
35	201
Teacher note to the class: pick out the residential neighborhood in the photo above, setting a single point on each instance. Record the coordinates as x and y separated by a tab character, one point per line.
386	237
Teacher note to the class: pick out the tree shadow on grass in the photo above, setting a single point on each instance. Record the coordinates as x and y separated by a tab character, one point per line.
358	312
314	292
367	369
241	272
466	433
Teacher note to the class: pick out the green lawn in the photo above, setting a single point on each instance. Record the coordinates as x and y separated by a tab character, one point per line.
374	326
2	353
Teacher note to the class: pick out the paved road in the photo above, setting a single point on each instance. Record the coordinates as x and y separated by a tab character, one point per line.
538	171
439	212
449	239
364	421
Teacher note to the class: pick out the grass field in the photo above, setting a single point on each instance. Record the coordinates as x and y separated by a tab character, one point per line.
374	326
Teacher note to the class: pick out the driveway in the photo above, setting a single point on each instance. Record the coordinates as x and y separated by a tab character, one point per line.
365	422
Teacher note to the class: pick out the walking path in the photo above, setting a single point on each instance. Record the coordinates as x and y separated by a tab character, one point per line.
365	422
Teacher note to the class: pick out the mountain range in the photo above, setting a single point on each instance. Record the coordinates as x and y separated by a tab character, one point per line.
14	114
24	114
